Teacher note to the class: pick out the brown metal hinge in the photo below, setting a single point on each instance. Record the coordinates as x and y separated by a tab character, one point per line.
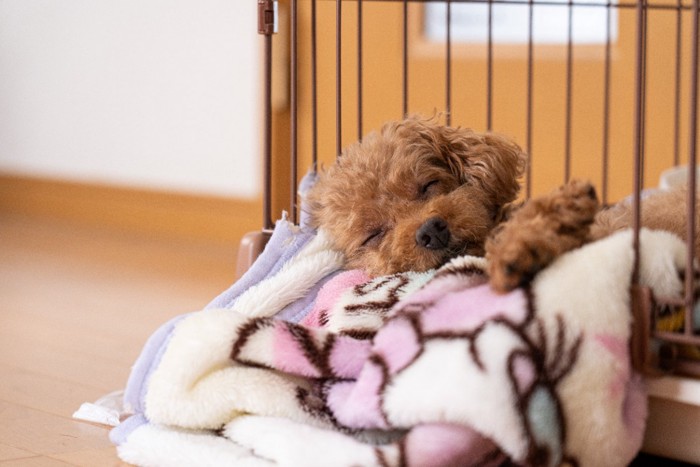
267	17
642	305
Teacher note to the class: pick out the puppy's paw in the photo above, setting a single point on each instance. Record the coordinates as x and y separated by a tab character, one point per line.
538	233
573	206
517	254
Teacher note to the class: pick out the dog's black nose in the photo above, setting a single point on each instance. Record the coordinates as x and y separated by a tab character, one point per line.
433	234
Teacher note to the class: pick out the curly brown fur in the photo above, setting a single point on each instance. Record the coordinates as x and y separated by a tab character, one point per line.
416	194
541	230
567	218
664	210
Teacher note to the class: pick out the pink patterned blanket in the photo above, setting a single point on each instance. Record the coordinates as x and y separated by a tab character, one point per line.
419	369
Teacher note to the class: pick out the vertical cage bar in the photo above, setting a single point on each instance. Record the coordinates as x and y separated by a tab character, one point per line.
314	90
405	58
267	25
267	137
642	158
338	80
638	137
359	70
569	88
489	69
692	182
448	66
606	102
293	113
528	138
677	94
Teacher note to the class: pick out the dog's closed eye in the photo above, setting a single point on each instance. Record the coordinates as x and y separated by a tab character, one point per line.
429	189
374	238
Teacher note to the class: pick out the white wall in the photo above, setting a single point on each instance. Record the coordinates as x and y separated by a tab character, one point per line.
147	93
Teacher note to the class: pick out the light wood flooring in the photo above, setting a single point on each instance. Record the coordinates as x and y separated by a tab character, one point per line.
76	306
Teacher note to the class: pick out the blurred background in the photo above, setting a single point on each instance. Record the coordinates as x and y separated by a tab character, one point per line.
129	170
120	102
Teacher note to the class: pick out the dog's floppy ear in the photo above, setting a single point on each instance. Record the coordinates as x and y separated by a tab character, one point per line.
491	161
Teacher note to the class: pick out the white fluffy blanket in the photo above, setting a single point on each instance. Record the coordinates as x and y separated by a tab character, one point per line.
412	369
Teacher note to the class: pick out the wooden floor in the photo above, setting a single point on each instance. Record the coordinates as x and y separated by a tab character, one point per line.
76	306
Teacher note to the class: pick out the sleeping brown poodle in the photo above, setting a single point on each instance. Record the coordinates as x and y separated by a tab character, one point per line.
418	193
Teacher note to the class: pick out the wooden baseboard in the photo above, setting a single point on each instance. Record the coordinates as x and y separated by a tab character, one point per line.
149	212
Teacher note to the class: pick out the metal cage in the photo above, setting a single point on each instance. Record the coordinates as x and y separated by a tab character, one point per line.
654	350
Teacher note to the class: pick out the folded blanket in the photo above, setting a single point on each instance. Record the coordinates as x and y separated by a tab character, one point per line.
412	369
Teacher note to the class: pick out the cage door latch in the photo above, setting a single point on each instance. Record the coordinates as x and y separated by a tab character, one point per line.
267	17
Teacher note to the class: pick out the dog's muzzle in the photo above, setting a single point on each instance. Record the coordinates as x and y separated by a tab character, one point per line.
433	234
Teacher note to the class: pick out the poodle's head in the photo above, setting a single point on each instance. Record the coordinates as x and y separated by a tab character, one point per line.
416	194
